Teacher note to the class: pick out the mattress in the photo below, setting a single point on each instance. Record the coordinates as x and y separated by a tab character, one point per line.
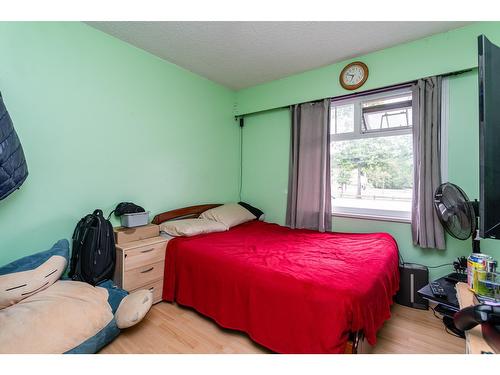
166	235
292	291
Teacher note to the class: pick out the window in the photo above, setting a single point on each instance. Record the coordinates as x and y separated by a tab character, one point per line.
372	155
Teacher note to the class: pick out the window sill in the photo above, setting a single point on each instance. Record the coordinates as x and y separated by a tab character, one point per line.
372	217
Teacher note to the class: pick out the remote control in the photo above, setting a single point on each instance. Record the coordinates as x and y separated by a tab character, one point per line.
437	290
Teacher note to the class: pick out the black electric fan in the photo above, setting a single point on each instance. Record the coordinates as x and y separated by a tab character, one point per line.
457	214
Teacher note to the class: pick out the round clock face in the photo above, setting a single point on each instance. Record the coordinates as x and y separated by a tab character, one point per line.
353	75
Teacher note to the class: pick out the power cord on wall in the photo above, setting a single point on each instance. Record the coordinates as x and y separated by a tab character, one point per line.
242	123
402	262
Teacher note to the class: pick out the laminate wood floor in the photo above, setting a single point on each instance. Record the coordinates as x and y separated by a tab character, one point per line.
169	328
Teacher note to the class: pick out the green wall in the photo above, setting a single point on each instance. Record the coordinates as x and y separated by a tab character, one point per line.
267	138
103	122
437	54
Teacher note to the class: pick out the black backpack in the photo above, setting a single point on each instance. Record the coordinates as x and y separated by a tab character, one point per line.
94	254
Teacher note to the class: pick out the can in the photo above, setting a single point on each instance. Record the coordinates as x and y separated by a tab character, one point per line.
491	265
476	262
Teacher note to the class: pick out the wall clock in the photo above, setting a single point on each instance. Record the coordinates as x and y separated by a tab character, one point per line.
354	75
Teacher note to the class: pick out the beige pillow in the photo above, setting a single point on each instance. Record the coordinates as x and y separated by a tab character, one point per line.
191	227
230	214
54	320
133	308
17	286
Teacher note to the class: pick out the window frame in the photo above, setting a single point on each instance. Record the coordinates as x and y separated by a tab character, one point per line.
359	133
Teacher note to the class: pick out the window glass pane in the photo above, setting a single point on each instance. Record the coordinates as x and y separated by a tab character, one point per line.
373	173
387	119
342	119
387	100
397	119
387	113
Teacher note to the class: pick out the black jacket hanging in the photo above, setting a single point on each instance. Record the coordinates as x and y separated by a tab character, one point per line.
13	168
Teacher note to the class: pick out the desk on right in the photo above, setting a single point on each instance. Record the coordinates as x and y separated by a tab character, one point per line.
474	341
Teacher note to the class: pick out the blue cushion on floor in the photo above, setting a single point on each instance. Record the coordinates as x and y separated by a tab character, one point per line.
32	274
115	294
30	262
33	263
97	342
108	333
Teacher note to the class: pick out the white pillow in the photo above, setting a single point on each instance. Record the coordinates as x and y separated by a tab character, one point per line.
230	214
191	227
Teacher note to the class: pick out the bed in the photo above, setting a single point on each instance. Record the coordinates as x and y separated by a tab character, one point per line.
290	290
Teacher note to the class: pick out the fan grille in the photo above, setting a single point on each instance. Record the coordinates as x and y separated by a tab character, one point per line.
454	211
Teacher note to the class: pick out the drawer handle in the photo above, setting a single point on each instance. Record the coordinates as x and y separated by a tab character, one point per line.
152	288
147	251
148	270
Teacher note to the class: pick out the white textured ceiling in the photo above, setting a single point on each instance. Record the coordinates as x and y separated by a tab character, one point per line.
243	54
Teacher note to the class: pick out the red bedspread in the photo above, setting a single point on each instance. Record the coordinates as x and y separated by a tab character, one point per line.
293	291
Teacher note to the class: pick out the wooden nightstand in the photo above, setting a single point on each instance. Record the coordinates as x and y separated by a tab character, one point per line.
140	265
123	234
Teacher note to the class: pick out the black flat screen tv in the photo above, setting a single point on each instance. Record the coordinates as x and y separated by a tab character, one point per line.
489	138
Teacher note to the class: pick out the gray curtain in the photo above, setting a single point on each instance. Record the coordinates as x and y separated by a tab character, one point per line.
427	231
309	191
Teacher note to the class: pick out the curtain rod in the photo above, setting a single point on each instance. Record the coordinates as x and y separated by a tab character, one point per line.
367	92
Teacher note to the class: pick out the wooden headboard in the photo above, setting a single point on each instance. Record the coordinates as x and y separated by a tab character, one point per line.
184	213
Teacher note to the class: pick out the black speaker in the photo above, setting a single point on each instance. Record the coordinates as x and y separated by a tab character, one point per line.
412	278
